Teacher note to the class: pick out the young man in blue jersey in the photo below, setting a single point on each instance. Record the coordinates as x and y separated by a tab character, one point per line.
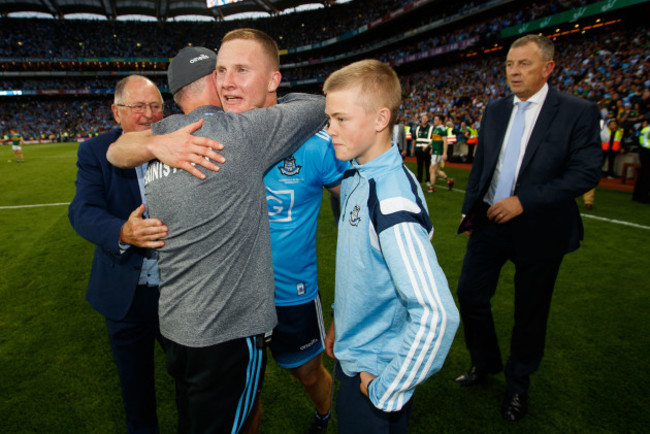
294	189
394	317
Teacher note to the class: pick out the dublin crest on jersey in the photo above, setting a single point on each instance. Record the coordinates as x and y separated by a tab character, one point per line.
354	216
290	167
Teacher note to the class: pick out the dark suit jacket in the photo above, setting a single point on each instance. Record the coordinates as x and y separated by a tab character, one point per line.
562	161
105	197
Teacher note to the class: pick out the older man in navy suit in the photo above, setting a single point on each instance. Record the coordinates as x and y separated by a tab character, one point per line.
108	210
538	150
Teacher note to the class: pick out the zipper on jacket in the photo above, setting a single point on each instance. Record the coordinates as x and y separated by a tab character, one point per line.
357	176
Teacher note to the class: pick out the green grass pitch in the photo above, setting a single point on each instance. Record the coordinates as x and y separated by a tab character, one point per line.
57	374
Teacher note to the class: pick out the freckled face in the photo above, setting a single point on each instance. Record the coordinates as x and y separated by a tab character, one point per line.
352	129
245	76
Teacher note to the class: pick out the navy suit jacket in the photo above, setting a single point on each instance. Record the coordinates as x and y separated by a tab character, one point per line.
105	197
562	161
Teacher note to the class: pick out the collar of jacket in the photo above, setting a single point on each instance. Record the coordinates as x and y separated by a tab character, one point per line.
384	162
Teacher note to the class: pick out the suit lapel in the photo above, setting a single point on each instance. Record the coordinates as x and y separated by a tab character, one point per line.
129	188
132	175
544	120
494	140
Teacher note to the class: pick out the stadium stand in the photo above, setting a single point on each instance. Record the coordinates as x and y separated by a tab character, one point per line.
448	54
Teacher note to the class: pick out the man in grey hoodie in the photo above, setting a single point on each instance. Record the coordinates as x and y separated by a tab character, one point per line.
217	284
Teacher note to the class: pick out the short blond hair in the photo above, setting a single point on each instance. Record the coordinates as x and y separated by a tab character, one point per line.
269	46
378	83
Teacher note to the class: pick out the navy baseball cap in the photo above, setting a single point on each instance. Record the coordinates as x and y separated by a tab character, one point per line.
190	64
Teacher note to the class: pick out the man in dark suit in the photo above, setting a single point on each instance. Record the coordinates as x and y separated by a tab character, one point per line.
538	150
108	210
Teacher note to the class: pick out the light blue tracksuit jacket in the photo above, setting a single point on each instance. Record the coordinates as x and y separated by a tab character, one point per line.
394	315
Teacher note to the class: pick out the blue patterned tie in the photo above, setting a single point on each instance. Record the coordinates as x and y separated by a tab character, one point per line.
511	156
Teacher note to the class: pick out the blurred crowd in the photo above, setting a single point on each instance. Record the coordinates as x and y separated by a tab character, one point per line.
609	67
54	119
71	39
85	83
60	119
46	38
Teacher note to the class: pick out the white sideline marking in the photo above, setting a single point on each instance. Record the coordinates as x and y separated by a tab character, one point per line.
591	216
34	206
618	222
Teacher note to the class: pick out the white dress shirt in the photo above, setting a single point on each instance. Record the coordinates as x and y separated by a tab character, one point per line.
531	115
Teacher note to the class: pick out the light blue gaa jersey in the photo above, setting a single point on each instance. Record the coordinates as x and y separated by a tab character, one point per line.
294	191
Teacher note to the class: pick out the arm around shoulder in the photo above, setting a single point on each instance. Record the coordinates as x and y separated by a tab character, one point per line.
131	149
180	149
286	125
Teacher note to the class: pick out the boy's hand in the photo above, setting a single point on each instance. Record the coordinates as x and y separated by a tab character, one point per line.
329	341
366	378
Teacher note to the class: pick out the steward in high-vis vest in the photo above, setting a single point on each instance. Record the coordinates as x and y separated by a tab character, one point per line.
451	137
472	140
451	140
473	136
409	139
642	187
644	137
423	134
611	137
614	140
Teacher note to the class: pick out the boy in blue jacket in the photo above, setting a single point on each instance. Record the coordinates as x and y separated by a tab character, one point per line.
394	317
